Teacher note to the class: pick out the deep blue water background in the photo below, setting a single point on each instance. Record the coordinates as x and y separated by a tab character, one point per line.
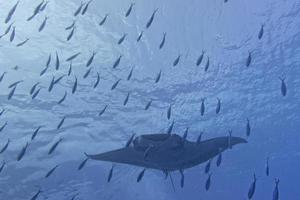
225	31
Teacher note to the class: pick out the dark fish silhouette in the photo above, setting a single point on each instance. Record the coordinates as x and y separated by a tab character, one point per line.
36	195
86	7
218	106
185	133
129	10
71	58
11	93
70	69
23	42
44	71
207	65
117	62
63	98
36	132
140	176
115	84
74	86
202	106
251	190
219	160
176	61
36	11
276	190
199	138
121	40
89	62
36	93
15	83
2	111
267	167
207	167
22	153
44	5
283	87
248	128
2	76
61	123
169	131
249	59
51	171
140	36
110	173
71	33
130	140
126	99
200	58
42	26
208	181
148	104
182	178
158	77
169	112
97	80
3	126
230	139
54	81
11	13
13	34
162	43
130	74
261	32
103	20
78	10
5	146
48	61
54	146
82	164
7	30
71	26
151	18
2	166
103	110
33	88
57	62
86	74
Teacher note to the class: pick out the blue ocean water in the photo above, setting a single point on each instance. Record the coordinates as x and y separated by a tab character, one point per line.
227	32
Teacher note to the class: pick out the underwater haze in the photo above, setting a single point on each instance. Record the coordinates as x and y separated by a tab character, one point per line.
76	76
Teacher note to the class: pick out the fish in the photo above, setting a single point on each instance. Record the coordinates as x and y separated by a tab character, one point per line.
206	65
3	126
36	11
148	104
13	34
86	7
15	83
267	167
249	59
117	62
219	159
57	62
115	84
130	140
36	132
169	131
251	190
110	173
71	26
74	196
86	74
103	110
276	190
129	9
207	167
22	43
158	77
185	133
200	137
89	62
42	26
33	88
72	57
2	76
11	93
61	123
51	171
71	33
261	32
176	61
63	98
162	43
229	139
54	146
78	10
2	166
218	106
7	30
11	12
126	99
140	176
202	106
48	60
36	195
82	164
97	81
5	146
208	181
54	81
140	36
200	58
36	93
248	128
149	22
74	86
44	71
70	69
22	153
130	74
169	112
2	111
103	20
283	87
121	40
44	5
58	79
182	178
